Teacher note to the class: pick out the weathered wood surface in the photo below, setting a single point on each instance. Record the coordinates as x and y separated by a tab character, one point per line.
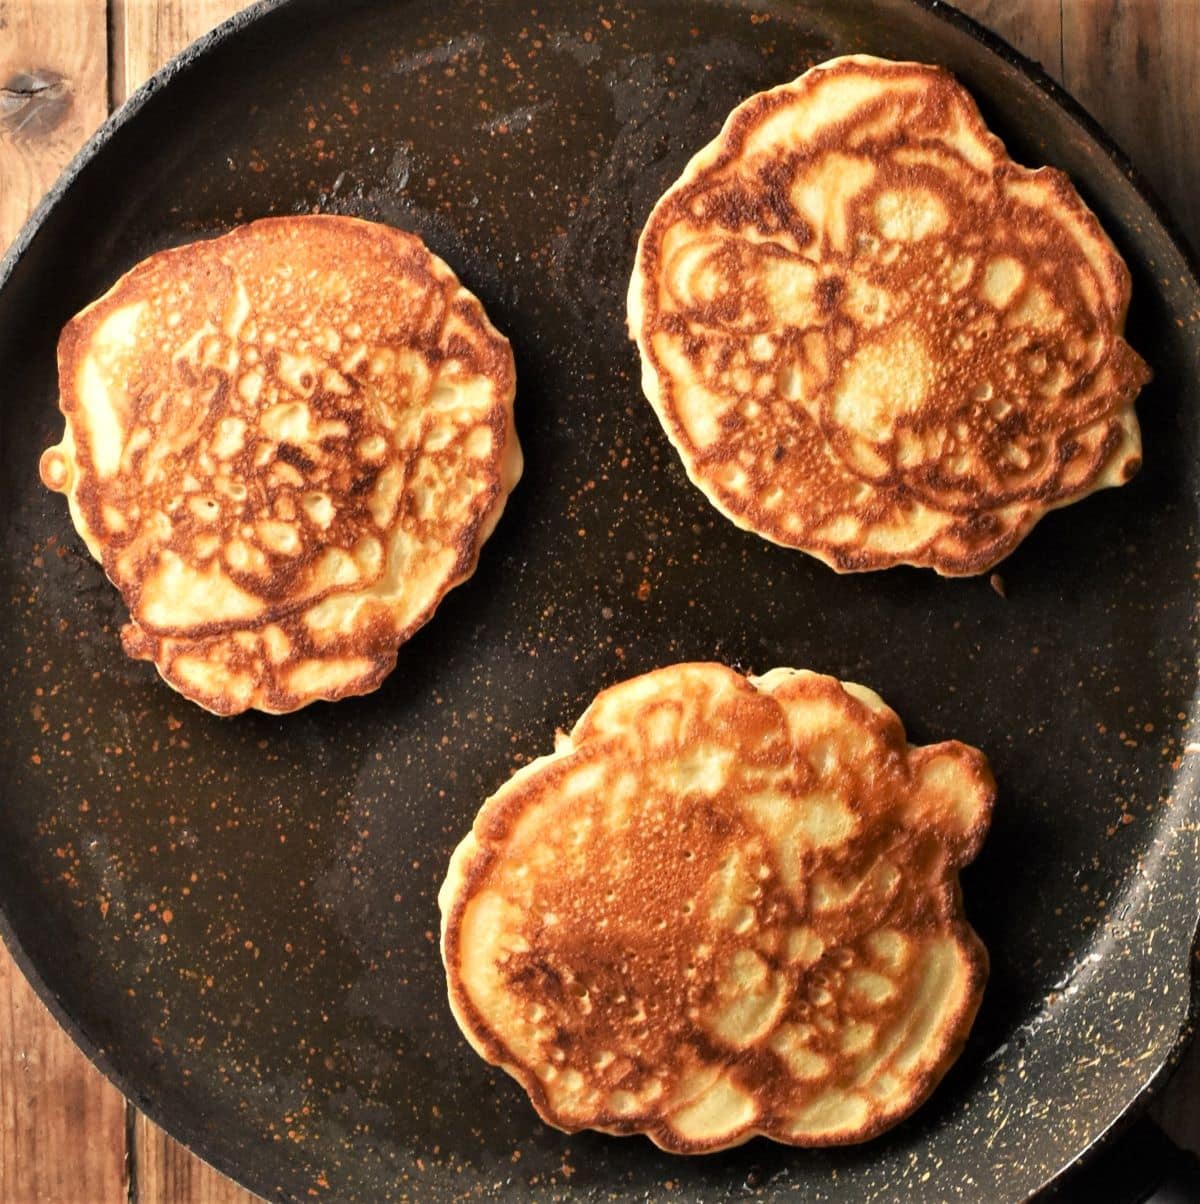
62	1126
66	1135
167	1174
1135	64
53	94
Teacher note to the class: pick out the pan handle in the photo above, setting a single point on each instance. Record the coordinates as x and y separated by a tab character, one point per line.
1142	1166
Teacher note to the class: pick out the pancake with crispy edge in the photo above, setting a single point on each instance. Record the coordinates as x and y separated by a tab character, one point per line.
723	907
284	445
874	337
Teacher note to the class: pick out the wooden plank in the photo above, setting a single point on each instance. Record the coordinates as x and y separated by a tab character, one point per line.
147	34
62	1124
53	94
1135	65
1034	27
168	1174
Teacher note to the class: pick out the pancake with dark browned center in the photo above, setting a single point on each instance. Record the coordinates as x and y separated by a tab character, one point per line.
723	907
873	336
284	445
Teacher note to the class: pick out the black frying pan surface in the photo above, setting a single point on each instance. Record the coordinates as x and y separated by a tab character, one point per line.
289	1022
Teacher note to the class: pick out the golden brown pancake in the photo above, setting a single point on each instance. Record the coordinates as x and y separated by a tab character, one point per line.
873	336
284	445
723	907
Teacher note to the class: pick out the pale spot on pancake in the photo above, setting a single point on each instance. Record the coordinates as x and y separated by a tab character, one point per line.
822	194
791	1043
788	284
281	473
804	946
910	215
960	272
857	1037
354	358
288	422
1034	309
787	127
237	311
317	678
208	678
103	413
699	417
1002	279
179	592
949	786
874	988
439	437
206	509
336	383
703	770
280	538
884	382
698	277
790	382
825	820
276	643
114	520
368	556
249	386
385	496
206	546
230	438
831	1112
319	508
722	1107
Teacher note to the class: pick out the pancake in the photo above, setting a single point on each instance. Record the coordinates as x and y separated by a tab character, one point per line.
723	907
284	445
874	337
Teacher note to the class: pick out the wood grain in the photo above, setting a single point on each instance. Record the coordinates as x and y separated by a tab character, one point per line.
53	94
168	1174
146	34
62	1124
1034	27
1135	65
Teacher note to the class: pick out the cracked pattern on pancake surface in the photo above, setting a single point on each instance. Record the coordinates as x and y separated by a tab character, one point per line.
723	907
873	336
284	445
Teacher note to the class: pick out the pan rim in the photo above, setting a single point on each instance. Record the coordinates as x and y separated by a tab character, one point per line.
261	9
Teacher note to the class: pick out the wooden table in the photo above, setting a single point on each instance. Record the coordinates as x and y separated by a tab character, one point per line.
66	1135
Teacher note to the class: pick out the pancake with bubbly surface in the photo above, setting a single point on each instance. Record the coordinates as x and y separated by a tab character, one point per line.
284	445
723	907
874	337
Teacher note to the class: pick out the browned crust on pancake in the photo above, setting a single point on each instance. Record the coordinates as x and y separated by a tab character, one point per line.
605	936
985	470
399	300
